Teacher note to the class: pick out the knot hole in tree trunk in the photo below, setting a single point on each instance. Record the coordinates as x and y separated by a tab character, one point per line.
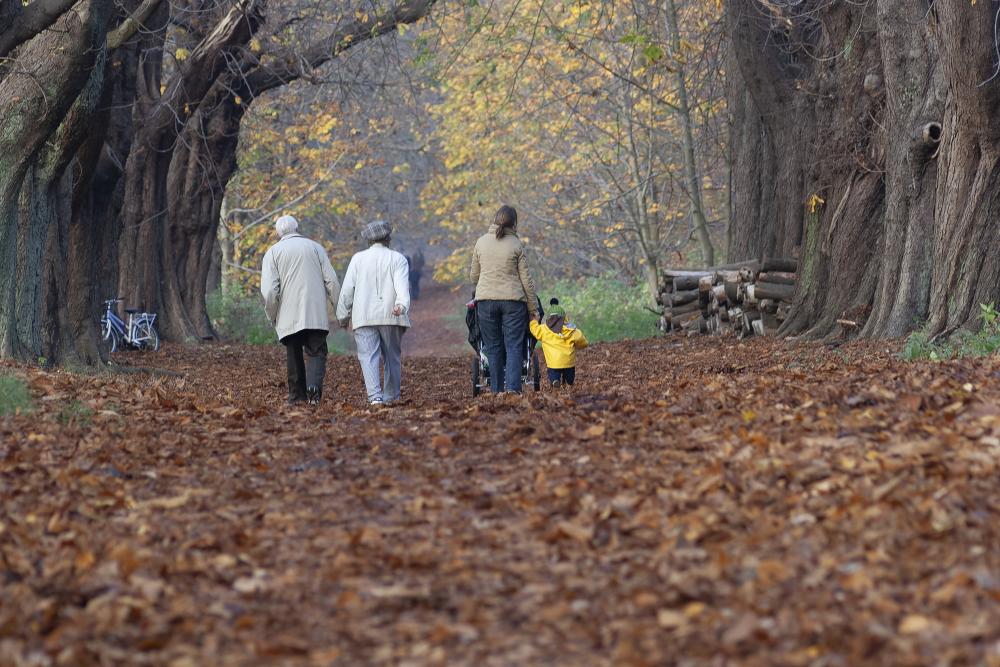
930	135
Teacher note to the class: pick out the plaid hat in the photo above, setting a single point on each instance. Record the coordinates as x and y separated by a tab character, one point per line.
379	230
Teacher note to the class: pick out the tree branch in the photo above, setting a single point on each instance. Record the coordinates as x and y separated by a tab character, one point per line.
202	67
270	214
30	21
131	25
290	66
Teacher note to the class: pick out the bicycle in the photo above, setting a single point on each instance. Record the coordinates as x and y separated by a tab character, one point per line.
139	332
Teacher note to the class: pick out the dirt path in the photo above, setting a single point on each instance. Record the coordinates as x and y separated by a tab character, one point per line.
690	502
437	328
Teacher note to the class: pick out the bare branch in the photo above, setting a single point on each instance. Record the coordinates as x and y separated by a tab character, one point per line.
294	66
131	25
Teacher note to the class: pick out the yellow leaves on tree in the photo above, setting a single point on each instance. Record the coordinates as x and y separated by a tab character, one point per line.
565	110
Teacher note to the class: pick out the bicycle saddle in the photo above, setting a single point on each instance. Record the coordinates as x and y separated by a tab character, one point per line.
132	311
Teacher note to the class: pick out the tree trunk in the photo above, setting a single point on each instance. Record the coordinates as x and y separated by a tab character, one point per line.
966	267
752	196
913	98
34	98
825	132
153	257
896	110
73	266
210	138
690	165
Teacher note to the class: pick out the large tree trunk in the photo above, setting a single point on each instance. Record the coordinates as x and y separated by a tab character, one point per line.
184	155
202	165
67	334
772	129
752	199
153	256
966	265
34	98
881	127
914	101
81	266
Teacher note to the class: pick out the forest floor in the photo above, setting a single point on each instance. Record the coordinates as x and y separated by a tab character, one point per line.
689	502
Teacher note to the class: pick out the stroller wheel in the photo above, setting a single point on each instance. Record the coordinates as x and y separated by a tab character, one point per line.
476	376
536	372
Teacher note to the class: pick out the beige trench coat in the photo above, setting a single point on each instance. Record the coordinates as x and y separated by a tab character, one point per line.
296	282
500	270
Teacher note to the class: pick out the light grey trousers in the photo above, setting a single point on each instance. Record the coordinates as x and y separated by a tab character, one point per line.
380	344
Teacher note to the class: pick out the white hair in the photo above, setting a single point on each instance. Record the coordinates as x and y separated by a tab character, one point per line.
286	224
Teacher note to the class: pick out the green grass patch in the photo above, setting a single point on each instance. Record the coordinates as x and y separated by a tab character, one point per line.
605	309
76	412
238	316
963	343
14	395
340	341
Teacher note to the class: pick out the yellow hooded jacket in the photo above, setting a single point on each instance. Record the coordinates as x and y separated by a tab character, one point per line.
559	348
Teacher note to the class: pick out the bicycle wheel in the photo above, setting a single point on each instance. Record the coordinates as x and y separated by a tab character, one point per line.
475	376
111	335
536	372
152	342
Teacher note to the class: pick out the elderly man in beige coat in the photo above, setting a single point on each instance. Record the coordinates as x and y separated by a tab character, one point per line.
296	282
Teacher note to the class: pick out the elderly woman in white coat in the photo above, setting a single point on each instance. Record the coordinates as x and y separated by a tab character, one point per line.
376	299
296	280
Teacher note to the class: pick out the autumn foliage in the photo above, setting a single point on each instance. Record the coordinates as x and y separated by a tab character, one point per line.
570	111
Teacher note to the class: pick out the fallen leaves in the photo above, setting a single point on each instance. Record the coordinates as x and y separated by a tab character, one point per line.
764	503
172	502
913	624
574	531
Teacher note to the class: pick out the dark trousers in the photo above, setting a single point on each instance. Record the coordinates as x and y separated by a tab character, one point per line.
414	284
563	375
503	326
306	352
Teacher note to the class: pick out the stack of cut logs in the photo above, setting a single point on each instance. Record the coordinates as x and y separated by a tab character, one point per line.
749	298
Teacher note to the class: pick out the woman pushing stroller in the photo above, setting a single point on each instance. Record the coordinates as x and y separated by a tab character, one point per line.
505	299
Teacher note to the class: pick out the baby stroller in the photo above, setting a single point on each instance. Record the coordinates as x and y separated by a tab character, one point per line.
481	365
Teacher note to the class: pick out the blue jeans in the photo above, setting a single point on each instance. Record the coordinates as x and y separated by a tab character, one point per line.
503	326
564	375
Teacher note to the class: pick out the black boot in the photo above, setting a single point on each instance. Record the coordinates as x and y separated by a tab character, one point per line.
314	394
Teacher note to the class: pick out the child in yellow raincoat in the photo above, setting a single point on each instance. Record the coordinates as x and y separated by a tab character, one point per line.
560	341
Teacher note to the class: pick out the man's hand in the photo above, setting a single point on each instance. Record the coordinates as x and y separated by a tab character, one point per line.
397	310
343	322
536	316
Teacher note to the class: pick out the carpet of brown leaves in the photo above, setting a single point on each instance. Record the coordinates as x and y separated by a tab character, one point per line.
689	502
